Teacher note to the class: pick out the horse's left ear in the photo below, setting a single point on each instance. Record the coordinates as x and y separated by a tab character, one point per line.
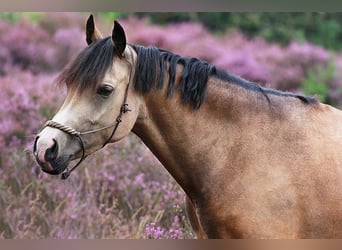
92	33
119	39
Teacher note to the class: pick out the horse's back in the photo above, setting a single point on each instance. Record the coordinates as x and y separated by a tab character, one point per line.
291	187
309	175
322	195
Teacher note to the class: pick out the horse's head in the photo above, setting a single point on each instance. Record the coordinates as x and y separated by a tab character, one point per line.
96	107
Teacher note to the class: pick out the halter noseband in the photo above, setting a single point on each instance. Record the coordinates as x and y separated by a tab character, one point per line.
68	130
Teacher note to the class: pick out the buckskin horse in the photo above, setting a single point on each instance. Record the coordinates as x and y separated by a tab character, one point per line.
254	162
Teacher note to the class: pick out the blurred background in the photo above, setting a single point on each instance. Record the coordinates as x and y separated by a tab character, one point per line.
123	191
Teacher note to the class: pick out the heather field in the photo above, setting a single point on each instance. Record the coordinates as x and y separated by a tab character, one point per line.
121	191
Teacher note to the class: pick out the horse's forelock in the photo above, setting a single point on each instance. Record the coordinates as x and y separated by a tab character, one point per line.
90	65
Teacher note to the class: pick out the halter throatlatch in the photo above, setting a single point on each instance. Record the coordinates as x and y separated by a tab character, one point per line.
68	130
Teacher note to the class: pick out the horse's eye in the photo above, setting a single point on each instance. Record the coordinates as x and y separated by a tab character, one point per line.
105	90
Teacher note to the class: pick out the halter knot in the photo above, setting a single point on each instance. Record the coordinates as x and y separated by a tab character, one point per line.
124	108
62	127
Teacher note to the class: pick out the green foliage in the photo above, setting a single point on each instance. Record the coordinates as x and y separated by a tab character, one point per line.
112	15
319	28
10	16
317	81
14	17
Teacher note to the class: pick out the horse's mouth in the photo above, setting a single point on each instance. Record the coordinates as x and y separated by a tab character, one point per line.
55	171
58	165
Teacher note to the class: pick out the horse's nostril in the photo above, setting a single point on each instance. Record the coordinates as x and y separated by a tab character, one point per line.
52	152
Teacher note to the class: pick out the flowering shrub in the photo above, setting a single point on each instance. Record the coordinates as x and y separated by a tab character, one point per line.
121	191
31	47
268	64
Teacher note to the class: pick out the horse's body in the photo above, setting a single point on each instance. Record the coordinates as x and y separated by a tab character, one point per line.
254	162
252	168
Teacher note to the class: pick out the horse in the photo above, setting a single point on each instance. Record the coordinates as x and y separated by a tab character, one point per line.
254	162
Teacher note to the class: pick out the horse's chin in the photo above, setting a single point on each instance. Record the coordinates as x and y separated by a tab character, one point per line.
55	171
58	166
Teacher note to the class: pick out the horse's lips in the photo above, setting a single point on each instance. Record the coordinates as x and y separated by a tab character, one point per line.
55	171
59	165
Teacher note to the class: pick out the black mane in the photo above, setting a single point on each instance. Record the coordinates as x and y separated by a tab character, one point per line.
90	66
153	65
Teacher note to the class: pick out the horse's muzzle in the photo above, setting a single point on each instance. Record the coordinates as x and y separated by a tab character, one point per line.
48	159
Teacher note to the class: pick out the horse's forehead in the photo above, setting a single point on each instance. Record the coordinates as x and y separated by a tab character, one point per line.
119	72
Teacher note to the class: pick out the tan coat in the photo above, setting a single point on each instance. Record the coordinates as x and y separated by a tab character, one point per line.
254	163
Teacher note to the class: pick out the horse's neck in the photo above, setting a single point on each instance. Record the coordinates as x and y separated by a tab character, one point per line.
189	143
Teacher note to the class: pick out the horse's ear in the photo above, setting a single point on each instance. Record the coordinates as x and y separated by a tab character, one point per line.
119	39
92	33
